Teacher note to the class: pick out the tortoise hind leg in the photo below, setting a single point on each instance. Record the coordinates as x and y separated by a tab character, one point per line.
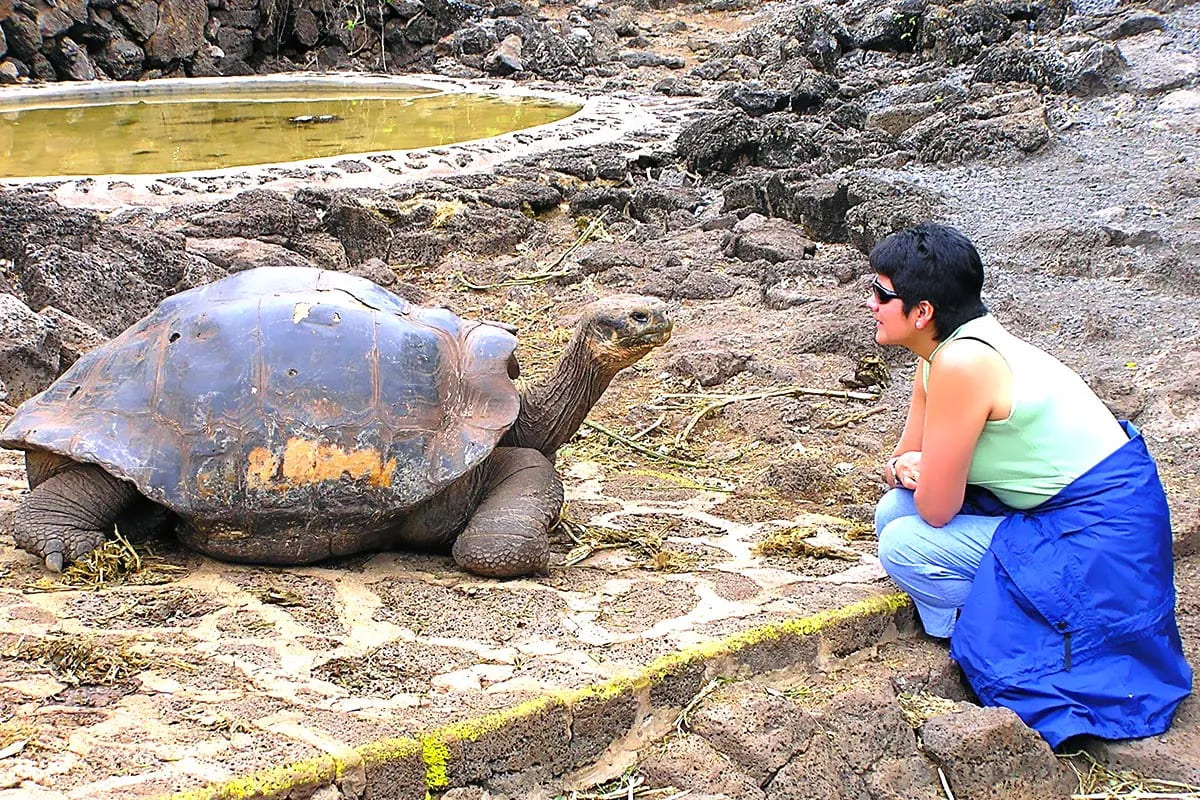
69	514
508	535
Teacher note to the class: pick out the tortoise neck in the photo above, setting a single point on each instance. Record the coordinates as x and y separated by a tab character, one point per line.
553	409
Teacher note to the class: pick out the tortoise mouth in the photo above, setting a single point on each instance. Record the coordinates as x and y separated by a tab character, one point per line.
656	337
651	335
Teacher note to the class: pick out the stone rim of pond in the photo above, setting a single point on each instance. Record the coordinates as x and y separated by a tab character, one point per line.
599	120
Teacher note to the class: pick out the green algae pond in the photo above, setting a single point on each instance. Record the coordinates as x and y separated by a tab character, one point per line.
139	133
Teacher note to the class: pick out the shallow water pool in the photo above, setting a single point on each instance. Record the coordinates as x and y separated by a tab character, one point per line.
185	131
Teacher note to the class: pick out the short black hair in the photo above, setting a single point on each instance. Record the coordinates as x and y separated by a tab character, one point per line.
938	264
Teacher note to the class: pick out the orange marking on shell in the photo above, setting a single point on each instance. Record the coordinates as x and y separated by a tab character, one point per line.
306	462
261	469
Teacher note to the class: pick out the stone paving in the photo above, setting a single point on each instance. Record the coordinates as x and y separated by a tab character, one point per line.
227	671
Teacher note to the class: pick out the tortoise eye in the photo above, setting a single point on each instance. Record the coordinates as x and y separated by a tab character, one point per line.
640	317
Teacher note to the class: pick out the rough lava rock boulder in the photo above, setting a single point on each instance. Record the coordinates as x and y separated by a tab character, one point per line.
29	349
112	280
690	761
988	753
76	336
757	730
797	38
720	142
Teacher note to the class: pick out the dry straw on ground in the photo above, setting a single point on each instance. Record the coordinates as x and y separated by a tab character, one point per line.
920	707
631	786
593	229
814	536
1097	781
109	564
77	660
114	563
645	542
793	542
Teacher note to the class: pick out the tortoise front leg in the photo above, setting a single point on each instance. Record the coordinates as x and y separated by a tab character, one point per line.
42	464
508	535
69	514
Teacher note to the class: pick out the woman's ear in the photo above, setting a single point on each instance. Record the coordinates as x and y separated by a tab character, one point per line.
924	314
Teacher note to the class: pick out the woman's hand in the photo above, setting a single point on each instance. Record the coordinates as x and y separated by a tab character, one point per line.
903	470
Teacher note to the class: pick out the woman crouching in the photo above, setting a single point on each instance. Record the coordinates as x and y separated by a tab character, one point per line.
1028	525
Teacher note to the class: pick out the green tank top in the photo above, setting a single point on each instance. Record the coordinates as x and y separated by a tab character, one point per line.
1058	428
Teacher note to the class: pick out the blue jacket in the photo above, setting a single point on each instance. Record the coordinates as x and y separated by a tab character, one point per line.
1070	621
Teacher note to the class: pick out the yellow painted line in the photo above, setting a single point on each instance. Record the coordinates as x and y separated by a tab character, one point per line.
434	746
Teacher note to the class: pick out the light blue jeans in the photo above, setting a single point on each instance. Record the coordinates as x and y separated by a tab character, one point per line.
934	565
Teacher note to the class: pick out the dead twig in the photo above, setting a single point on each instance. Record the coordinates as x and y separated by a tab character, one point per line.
593	539
652	426
685	482
629	786
641	448
583	237
717	402
945	784
571	527
542	275
585	551
795	391
850	419
13	748
644	541
528	279
681	721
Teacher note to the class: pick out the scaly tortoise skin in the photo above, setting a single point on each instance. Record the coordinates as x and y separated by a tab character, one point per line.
286	415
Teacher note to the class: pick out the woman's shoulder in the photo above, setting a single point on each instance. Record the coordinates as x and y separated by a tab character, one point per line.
980	338
973	357
970	357
974	351
984	328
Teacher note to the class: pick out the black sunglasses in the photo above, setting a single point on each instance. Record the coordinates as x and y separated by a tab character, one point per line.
882	293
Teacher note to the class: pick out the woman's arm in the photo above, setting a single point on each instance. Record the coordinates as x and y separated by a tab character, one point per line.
914	424
908	450
964	382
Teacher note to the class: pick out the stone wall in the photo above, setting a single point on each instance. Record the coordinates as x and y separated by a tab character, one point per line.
50	40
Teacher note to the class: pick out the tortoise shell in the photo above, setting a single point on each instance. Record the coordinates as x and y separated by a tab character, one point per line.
293	390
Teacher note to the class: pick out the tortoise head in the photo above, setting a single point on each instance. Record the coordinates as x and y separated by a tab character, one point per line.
612	334
618	330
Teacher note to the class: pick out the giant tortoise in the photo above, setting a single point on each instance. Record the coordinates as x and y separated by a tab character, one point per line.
287	415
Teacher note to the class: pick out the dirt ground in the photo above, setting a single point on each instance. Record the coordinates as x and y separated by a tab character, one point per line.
728	480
